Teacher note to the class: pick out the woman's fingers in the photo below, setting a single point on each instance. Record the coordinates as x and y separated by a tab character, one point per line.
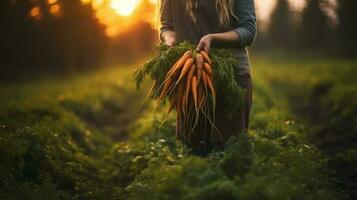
203	46
200	46
205	43
169	37
171	42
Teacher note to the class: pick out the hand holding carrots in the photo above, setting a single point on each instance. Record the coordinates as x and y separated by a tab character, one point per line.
205	43
169	37
188	85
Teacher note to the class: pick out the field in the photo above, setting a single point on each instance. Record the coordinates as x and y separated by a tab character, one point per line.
83	137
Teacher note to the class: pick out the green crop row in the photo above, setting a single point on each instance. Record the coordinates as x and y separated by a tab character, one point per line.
61	141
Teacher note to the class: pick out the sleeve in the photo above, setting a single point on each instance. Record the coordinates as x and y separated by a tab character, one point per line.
166	16
247	25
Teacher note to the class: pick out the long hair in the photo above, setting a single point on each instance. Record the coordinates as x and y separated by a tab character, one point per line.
224	10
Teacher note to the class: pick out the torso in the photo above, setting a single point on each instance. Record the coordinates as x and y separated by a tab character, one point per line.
207	22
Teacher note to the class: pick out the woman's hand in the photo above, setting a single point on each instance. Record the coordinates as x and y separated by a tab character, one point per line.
169	37
205	43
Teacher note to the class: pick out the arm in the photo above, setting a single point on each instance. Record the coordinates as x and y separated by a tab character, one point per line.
167	33
205	42
245	32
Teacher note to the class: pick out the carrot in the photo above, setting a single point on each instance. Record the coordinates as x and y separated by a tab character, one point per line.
199	64
204	78
185	69
187	54
175	70
194	91
188	84
165	89
207	67
210	86
179	63
179	106
179	68
173	101
148	95
206	57
180	95
196	95
200	96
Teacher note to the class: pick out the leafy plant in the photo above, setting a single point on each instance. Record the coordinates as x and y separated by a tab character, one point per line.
224	66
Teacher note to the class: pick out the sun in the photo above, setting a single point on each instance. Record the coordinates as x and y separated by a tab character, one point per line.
119	16
124	7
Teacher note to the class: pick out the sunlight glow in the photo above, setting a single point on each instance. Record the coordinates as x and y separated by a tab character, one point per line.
124	7
96	4
86	1
153	2
36	13
111	31
120	16
55	10
50	2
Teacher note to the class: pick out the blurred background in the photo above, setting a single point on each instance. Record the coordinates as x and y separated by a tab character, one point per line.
70	35
71	127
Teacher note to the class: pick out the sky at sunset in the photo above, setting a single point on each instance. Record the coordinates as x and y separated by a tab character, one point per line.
120	15
123	11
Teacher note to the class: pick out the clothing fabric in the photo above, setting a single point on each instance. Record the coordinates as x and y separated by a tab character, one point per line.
174	18
202	144
239	123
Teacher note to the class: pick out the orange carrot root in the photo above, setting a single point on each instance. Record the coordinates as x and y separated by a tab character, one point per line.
165	89
207	67
199	64
206	57
189	95
180	62
185	69
194	91
180	97
172	106
204	79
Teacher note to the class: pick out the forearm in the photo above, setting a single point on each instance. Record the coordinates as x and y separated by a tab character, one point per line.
230	36
167	33
225	37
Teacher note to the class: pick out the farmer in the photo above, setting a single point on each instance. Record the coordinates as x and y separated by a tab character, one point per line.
220	24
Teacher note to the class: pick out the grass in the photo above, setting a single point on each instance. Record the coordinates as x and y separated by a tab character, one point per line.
80	137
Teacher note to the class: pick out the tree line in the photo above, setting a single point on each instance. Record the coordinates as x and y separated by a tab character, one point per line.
313	30
35	37
61	35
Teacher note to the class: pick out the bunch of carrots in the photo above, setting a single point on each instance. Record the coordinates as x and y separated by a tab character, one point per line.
187	79
188	85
